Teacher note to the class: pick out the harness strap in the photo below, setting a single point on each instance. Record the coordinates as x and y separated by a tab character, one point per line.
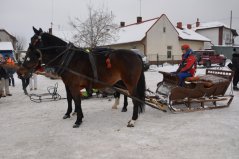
66	59
93	66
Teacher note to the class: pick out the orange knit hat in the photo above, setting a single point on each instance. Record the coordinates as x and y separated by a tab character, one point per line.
185	47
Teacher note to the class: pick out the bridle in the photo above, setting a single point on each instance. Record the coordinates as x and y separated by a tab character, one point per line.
40	47
33	45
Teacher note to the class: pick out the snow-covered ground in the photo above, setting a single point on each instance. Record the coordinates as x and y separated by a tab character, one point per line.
31	130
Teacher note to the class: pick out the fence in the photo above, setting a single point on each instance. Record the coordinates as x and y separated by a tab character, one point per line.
158	59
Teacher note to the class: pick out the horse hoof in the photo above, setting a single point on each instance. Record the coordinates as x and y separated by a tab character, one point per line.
114	107
131	123
66	116
124	110
76	125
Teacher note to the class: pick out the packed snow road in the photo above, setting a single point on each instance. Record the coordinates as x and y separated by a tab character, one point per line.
30	130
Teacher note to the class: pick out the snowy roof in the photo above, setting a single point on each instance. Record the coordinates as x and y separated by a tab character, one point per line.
189	34
134	32
209	25
6	46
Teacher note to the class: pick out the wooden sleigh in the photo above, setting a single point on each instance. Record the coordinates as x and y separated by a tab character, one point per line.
199	93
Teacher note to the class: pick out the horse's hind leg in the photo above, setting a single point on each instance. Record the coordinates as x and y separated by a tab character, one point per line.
78	108
69	101
131	123
124	109
139	93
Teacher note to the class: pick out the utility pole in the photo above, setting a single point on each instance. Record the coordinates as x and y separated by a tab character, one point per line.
140	8
231	42
52	12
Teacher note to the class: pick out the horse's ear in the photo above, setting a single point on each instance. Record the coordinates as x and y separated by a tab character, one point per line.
35	30
40	30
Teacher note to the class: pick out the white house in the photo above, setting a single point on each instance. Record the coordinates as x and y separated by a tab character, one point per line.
217	32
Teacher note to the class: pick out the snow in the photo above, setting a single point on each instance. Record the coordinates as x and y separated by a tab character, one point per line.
188	34
207	25
134	32
6	46
32	130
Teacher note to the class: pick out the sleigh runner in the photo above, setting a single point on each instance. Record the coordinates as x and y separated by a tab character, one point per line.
199	93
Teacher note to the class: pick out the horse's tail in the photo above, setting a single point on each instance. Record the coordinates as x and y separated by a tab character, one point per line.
141	88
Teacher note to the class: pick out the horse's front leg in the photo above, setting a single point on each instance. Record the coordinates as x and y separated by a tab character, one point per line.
69	101
79	112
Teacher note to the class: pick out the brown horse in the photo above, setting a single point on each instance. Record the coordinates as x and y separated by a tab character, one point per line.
77	71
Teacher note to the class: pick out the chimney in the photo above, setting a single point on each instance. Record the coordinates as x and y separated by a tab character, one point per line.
197	23
139	19
179	25
50	31
122	24
189	26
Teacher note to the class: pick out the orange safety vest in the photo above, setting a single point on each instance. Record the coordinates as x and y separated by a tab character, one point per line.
10	61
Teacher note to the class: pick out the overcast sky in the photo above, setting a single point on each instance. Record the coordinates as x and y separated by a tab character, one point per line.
18	16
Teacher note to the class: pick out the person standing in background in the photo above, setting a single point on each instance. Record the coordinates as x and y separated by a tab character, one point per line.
33	82
235	68
4	85
10	71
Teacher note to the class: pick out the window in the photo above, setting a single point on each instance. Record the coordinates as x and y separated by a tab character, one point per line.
164	29
169	52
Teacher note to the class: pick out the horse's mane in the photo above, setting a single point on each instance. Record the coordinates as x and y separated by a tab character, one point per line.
53	40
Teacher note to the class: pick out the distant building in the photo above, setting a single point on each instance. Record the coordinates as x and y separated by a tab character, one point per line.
158	38
6	48
6	37
217	32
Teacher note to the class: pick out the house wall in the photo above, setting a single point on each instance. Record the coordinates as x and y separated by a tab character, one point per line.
157	40
4	37
194	45
212	34
226	37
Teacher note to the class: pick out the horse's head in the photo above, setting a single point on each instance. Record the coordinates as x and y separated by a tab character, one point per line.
44	48
33	58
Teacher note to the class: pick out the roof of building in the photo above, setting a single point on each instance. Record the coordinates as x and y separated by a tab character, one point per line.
13	37
209	25
6	46
137	31
189	34
134	32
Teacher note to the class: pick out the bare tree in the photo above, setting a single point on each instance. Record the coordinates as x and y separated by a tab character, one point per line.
21	42
97	30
